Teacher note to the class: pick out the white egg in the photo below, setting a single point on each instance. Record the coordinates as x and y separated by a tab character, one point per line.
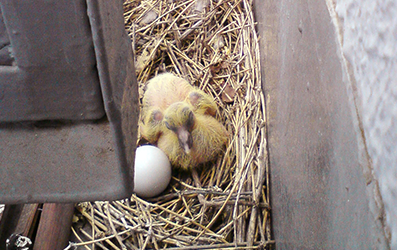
152	171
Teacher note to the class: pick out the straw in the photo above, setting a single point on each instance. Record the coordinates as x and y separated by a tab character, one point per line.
225	204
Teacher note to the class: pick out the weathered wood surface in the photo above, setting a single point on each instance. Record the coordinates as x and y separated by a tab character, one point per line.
46	225
54	228
322	192
63	161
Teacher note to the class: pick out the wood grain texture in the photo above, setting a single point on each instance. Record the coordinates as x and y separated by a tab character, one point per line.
54	228
321	192
18	219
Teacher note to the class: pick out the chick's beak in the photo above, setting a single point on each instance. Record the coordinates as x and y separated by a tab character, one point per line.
185	139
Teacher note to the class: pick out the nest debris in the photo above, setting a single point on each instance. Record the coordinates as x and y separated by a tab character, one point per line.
213	44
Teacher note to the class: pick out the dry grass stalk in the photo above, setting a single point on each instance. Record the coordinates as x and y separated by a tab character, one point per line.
213	44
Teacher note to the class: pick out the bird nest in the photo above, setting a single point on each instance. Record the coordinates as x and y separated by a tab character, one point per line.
225	205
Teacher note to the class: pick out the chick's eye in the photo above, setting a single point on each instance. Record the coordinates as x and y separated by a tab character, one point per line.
157	116
170	126
190	121
167	125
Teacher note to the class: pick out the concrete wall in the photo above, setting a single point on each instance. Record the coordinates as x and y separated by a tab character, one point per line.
368	30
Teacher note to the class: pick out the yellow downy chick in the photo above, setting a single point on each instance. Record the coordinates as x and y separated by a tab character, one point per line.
178	118
161	91
164	90
205	136
209	140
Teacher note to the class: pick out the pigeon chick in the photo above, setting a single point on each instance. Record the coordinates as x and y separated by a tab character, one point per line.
179	119
164	90
191	138
161	92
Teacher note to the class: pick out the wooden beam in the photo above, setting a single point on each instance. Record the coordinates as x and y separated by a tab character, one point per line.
54	228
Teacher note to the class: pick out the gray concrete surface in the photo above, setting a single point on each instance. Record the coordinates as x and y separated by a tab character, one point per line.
369	42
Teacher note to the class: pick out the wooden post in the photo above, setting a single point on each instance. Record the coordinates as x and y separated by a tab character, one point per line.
54	228
18	219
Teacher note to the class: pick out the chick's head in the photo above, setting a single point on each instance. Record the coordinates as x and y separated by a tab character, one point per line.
179	118
202	103
151	124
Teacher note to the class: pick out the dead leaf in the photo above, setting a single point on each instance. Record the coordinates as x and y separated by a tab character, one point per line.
228	94
215	68
149	17
141	60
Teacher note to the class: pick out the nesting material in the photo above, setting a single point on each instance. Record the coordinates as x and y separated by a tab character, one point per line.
225	205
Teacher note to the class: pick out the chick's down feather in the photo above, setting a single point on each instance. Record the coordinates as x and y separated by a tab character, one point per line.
164	90
202	103
152	124
209	138
161	91
179	119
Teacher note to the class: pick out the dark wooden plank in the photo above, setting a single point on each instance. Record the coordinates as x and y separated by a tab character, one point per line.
8	223
65	164
54	227
322	193
18	219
